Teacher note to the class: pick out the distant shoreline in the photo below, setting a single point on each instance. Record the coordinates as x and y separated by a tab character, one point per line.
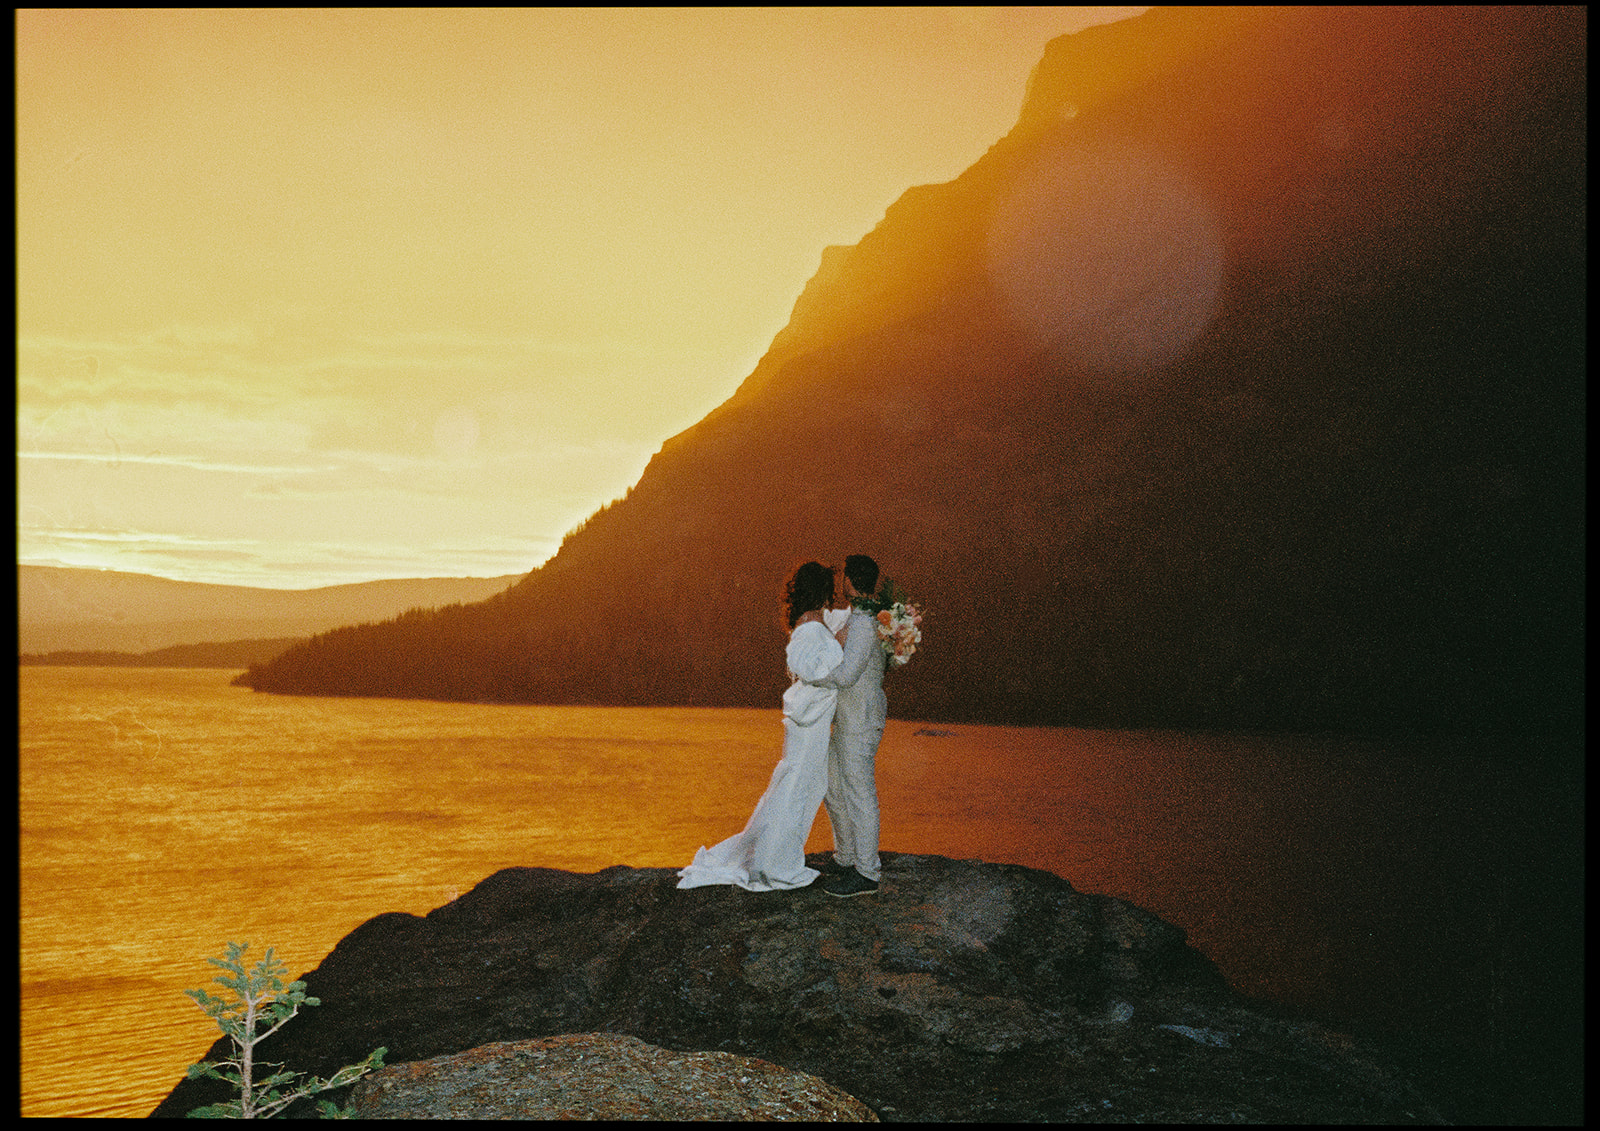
229	654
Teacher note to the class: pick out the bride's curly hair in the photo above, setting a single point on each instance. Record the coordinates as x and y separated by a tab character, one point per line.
811	587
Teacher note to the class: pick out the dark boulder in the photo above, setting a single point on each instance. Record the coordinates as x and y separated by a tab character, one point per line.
600	1076
961	991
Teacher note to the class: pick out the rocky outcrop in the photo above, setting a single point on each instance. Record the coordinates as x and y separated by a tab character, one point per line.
961	991
600	1076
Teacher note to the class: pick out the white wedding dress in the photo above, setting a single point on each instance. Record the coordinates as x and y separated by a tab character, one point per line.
770	854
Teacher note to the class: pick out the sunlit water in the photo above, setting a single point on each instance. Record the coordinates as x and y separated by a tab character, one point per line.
164	812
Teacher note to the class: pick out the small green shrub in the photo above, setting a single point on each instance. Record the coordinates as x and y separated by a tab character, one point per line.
260	998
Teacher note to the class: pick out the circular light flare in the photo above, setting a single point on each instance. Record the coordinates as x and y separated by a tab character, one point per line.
1107	256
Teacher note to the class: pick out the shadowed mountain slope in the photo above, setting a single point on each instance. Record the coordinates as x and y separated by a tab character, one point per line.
1241	385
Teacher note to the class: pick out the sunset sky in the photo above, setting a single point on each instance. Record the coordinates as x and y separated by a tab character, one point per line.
308	297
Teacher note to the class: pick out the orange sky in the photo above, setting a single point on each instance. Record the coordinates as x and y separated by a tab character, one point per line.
317	296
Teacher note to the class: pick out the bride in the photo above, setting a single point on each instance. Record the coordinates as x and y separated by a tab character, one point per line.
770	854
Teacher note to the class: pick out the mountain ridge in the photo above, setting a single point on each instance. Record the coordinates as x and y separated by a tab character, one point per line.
1239	385
65	609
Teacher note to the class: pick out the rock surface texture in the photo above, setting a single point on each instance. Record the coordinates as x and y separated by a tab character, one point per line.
600	1076
961	991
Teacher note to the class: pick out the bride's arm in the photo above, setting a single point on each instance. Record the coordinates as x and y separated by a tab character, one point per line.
811	655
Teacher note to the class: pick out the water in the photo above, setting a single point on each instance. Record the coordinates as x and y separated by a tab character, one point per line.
164	812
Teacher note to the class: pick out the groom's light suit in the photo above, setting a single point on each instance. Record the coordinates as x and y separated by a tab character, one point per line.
858	722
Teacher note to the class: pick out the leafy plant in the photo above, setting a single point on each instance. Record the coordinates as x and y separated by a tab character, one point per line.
261	998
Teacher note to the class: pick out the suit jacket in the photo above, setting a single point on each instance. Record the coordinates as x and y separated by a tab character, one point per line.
863	708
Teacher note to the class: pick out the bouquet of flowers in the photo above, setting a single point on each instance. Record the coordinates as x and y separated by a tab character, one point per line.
899	622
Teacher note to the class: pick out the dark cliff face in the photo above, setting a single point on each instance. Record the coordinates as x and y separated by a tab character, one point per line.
1241	384
961	991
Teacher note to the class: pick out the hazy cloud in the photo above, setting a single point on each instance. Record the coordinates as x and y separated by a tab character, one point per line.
296	271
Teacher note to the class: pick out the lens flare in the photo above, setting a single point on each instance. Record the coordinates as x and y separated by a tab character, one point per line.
1108	256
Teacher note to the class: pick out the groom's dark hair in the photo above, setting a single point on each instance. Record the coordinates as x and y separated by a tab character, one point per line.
863	573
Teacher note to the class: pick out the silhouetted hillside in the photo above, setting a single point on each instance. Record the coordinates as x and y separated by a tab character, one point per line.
1241	385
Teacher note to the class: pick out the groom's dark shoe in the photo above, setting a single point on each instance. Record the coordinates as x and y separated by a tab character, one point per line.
850	883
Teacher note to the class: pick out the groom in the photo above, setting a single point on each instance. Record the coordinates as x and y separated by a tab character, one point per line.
858	722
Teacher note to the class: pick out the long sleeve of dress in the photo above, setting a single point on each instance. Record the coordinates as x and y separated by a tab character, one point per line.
812	653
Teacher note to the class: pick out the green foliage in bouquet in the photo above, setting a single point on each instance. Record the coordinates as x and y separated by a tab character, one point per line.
261	998
888	595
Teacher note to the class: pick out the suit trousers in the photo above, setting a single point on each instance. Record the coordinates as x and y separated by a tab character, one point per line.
852	799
